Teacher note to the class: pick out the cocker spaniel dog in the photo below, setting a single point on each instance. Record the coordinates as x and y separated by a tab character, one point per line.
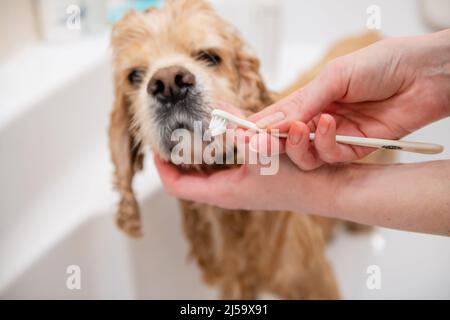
170	64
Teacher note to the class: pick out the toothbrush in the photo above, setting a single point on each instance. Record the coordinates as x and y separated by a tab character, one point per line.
220	118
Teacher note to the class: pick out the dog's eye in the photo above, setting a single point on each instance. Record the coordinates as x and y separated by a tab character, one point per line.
136	76
212	59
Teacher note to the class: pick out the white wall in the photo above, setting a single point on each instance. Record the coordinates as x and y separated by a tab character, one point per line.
274	26
323	21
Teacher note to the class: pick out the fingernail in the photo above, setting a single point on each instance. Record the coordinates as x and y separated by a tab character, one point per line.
324	125
295	138
270	119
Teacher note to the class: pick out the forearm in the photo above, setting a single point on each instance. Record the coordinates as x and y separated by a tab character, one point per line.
413	197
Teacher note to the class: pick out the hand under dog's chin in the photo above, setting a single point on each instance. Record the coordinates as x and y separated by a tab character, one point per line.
190	154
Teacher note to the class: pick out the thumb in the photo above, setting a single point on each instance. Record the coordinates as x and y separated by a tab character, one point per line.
304	104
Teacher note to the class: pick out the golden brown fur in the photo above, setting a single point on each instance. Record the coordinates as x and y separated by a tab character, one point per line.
243	253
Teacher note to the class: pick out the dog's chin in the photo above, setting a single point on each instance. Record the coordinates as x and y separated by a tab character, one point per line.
193	152
171	143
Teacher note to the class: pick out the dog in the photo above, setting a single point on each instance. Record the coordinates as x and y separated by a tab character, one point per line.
170	65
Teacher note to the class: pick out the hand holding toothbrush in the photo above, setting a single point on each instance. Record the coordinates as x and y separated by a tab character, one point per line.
386	90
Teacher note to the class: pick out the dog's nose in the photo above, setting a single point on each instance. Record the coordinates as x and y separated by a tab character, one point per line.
170	84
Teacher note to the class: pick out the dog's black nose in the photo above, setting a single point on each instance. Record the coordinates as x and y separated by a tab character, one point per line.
170	84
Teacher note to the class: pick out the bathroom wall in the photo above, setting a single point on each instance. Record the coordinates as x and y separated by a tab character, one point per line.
334	19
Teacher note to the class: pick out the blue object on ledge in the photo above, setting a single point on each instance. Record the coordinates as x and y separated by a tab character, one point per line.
117	12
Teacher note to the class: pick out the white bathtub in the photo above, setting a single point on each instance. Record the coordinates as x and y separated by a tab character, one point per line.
57	207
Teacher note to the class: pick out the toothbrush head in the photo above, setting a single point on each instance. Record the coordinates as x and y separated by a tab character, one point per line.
220	119
218	124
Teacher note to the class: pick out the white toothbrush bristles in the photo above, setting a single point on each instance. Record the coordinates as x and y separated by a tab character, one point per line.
220	119
218	125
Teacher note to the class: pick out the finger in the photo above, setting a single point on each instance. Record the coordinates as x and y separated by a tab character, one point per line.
298	147
267	144
325	141
329	86
242	140
168	172
242	136
195	186
181	184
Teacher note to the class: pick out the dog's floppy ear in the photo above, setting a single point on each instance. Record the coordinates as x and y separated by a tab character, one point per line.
127	159
252	90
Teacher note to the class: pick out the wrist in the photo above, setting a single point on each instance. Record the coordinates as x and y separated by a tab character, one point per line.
351	184
318	194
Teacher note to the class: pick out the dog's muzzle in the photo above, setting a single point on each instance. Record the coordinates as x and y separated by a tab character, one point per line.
179	103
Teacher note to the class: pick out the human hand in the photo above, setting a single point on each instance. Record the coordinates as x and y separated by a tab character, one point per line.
245	188
386	90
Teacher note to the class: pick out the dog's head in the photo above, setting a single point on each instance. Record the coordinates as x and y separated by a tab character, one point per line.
170	65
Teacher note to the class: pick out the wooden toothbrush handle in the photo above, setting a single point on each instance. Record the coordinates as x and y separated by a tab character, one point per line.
410	146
